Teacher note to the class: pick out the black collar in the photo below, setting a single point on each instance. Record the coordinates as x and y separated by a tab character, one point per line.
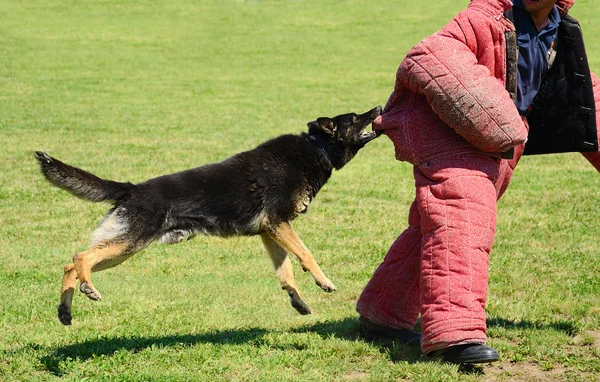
320	143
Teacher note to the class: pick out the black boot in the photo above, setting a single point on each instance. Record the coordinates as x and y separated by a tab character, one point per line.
465	354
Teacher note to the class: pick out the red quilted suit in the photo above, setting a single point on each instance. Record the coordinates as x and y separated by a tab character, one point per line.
451	116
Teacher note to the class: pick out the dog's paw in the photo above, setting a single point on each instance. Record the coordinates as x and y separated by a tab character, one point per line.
298	304
327	286
64	314
90	291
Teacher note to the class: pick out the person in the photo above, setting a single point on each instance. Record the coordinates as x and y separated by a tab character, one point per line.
501	80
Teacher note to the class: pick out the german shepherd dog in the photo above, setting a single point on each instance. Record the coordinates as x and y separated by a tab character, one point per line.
257	192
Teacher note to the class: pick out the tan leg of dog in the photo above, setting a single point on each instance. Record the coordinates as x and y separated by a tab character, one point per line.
66	294
97	258
287	238
284	272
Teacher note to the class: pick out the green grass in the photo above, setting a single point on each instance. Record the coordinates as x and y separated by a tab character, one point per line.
135	89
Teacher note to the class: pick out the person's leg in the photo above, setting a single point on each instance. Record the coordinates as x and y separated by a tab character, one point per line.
391	297
457	203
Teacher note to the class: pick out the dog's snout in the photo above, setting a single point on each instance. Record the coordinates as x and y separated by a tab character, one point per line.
376	112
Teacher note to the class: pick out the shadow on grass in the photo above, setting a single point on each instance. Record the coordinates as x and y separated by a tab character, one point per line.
89	349
346	329
560	326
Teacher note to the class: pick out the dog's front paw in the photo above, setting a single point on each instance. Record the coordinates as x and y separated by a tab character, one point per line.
64	314
90	291
327	286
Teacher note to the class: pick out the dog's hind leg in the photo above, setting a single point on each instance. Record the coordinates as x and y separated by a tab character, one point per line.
284	272
288	239
66	294
97	258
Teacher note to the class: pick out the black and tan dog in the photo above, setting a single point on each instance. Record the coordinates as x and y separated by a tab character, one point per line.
257	192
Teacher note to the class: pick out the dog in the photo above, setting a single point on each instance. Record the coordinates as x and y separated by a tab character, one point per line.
256	192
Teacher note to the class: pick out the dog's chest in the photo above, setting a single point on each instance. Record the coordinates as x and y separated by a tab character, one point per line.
301	201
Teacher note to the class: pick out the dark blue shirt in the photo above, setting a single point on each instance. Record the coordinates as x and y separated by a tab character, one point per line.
535	50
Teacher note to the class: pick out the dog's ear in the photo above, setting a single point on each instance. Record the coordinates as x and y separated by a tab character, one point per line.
323	124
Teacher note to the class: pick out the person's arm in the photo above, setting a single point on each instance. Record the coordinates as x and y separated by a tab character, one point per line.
461	91
463	94
594	157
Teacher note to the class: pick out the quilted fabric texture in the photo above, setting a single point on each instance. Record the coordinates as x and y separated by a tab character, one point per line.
449	114
450	94
438	266
594	157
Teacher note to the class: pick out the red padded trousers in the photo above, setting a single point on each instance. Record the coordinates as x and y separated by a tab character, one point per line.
438	267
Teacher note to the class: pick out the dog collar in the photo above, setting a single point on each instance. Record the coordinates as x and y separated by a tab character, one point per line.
319	143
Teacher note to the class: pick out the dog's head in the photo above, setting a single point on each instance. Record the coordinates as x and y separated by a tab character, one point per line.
341	137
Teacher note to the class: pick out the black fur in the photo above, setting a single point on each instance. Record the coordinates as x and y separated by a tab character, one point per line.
246	194
81	183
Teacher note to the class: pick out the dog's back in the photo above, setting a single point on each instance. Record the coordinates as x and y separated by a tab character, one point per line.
272	183
238	195
255	192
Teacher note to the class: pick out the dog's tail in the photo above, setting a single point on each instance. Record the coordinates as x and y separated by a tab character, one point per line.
81	183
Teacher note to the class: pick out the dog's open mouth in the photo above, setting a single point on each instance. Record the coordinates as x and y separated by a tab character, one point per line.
370	135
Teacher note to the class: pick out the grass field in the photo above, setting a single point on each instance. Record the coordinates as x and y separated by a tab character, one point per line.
135	89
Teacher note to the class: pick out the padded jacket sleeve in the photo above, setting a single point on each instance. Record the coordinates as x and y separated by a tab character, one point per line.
594	157
463	93
596	87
